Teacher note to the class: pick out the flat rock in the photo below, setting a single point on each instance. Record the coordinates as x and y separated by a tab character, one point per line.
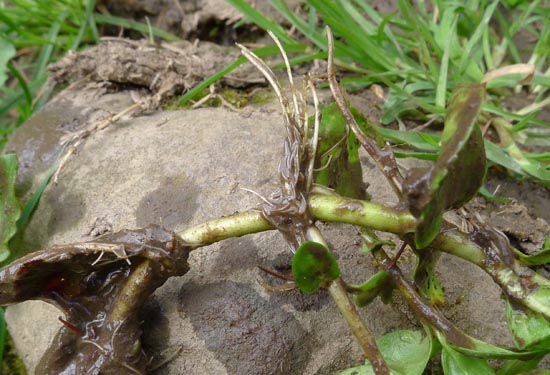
181	168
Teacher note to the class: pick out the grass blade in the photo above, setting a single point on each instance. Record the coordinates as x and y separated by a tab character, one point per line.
47	49
29	207
24	87
260	20
134	25
441	88
467	62
260	52
88	22
9	205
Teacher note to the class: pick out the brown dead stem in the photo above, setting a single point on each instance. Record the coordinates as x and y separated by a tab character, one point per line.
286	208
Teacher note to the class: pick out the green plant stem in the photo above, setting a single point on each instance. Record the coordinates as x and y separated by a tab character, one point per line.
430	315
514	278
322	207
458	244
236	225
136	288
426	313
335	208
337	291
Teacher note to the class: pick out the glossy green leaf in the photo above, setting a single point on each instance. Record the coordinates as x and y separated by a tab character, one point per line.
337	161
459	171
313	267
406	352
529	329
379	283
455	362
9	205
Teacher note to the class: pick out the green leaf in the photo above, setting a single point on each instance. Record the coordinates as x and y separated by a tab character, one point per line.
406	352
134	25
313	267
489	196
480	349
529	329
417	140
447	41
455	363
517	366
9	205
532	167
28	209
338	152
539	258
372	288
459	171
260	52
7	51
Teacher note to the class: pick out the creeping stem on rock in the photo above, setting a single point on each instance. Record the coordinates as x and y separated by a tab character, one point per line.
516	280
335	208
331	208
426	313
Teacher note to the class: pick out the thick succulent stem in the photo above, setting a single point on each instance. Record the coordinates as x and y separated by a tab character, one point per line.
322	207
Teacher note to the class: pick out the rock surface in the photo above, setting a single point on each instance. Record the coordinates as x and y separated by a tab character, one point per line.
180	168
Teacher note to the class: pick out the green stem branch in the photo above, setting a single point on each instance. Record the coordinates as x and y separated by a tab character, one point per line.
516	279
236	225
366	339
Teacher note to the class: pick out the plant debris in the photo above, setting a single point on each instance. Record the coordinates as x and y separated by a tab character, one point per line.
100	286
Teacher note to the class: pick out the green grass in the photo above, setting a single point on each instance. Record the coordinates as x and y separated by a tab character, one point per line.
422	54
419	54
